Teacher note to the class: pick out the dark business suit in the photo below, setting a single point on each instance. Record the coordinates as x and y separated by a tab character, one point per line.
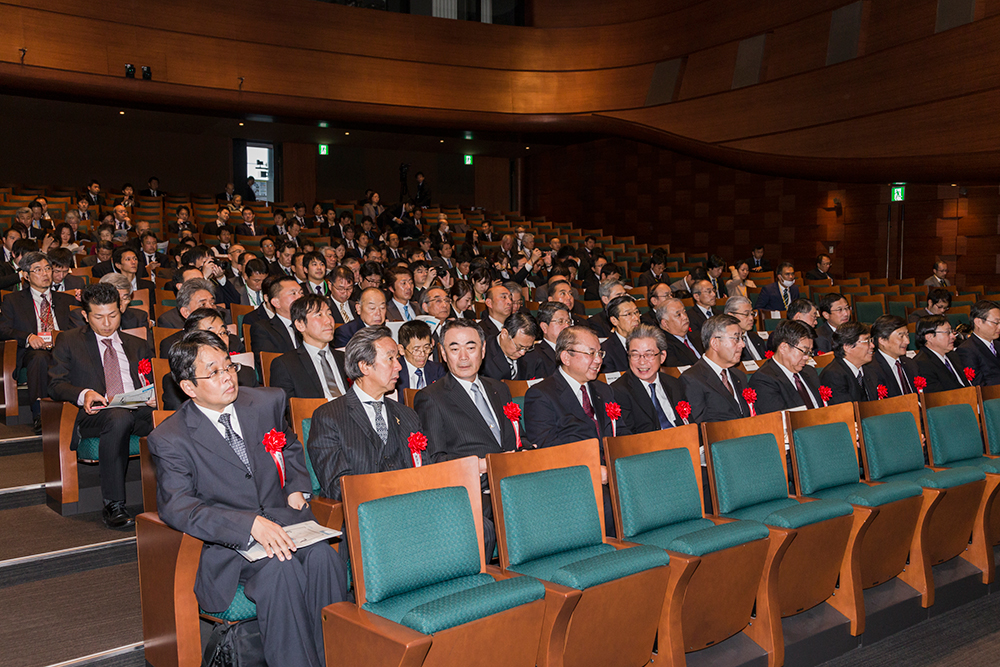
496	365
696	318
916	315
433	371
206	491
486	324
844	384
816	274
679	354
271	336
343	442
770	297
235	344
776	392
541	361
938	377
243	229
976	355
600	324
393	314
18	321
77	364
351	306
632	394
615	355
824	336
759	265
710	402
173	395
648	278
877	371
257	314
295	373
758	343
344	333
172	319
276	269
70	283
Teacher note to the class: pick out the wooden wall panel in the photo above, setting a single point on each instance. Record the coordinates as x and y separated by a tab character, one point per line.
492	182
709	71
797	47
298	173
893	24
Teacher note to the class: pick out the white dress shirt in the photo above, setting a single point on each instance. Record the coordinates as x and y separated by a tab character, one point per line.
718	375
288	325
123	365
686	342
664	400
213	416
892	368
314	356
345	310
575	387
370	410
791	378
947	363
402	313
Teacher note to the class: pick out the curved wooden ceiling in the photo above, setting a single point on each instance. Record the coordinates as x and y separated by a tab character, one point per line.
915	106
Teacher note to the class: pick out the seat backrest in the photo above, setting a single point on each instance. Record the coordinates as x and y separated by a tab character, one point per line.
656	489
415	540
991	418
954	433
548	512
748	471
892	444
825	457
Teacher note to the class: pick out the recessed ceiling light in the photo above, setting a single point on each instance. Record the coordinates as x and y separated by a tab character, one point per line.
442	141
527	148
241	124
346	133
121	113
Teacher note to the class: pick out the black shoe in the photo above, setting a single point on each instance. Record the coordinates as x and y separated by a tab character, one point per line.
117	517
37	425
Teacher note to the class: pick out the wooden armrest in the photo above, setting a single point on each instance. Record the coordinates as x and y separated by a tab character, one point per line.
353	636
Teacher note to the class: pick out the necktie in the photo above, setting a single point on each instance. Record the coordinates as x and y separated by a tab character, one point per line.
660	414
45	314
319	290
406	313
951	370
235	441
331	379
484	410
688	343
993	349
112	370
419	372
588	408
380	426
725	382
784	297
513	369
56	287
343	313
803	392
902	377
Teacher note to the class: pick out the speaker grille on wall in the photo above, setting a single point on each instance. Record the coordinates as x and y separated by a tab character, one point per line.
953	13
749	58
845	32
665	83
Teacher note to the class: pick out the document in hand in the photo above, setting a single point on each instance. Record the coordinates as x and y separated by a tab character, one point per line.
132	400
302	534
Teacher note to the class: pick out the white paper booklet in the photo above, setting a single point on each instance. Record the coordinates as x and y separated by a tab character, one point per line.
302	534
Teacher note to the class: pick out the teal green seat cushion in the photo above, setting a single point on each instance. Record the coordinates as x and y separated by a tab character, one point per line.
954	434
806	514
718	538
870	496
657	489
396	607
241	608
548	512
615	564
415	540
89	448
892	444
991	413
661	537
473	604
761	511
544	568
826	457
317	489
942	479
748	471
984	463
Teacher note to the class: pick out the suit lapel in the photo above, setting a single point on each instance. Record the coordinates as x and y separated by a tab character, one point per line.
309	372
506	428
94	354
642	398
205	434
360	417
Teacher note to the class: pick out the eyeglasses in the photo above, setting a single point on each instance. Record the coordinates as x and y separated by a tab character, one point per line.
596	354
865	341
842	309
522	348
561	322
631	313
949	332
644	356
233	368
808	353
734	339
421	349
440	299
752	313
41	269
993	322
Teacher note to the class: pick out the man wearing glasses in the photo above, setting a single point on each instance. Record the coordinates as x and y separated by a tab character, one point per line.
979	351
417	370
754	347
217	482
834	311
569	406
505	352
845	376
713	386
91	365
541	361
785	381
646	395
938	303
937	360
624	317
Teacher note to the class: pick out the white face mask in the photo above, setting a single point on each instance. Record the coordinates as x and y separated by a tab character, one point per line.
787	283
520	235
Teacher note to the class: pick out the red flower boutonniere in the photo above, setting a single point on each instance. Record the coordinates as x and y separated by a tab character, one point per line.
826	394
970	374
512	411
614	412
750	396
274	442
684	410
920	383
145	368
882	391
417	442
769	354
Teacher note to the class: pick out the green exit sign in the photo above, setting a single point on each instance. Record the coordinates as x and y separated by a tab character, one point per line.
898	192
468	159
324	149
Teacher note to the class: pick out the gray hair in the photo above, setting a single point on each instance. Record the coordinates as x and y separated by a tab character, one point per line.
569	337
118	281
72	214
661	310
361	348
735	302
187	291
527	235
604	289
21	211
715	327
514	288
648	331
31	258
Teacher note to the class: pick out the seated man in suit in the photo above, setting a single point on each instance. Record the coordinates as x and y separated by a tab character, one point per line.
978	351
938	303
250	284
132	318
277	334
823	263
505	352
754	347
313	369
687	283
682	349
314	265
845	376
341	281
940	276
216	482
757	262
785	381
656	294
101	258
937	362
61	260
204	319
10	275
90	366
417	369
890	366
401	307
803	310
30	316
779	295
704	300
541	361
608	290
569	406
656	266
126	262
249	226
648	397
624	317
499	306
371	313
364	431
462	413
714	267
193	294
714	384
834	310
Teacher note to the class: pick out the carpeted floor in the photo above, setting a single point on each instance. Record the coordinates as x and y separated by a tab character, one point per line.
37	529
21	470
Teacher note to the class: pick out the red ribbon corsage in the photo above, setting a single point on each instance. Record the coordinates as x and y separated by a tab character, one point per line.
750	396
417	442
683	410
614	412
274	442
512	411
826	394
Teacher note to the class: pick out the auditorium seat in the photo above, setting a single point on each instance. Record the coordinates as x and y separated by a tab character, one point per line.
266	358
328	512
424	595
10	380
716	565
825	465
603	596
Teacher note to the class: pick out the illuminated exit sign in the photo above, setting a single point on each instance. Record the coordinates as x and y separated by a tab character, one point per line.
898	191
468	159
324	149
